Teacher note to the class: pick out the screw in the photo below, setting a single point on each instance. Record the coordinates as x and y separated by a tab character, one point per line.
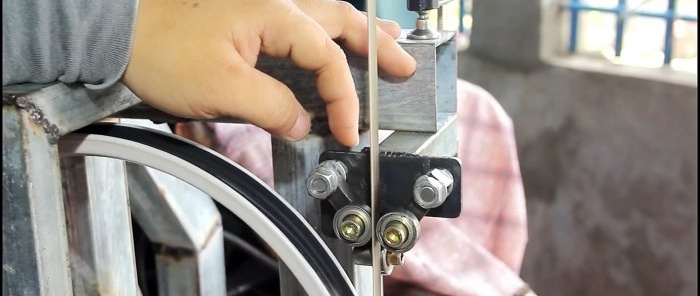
352	227
395	233
398	231
319	184
350	224
428	194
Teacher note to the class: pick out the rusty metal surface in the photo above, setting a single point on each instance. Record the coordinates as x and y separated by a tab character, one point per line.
35	248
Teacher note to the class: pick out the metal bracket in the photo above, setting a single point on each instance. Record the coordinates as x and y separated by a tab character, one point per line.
412	187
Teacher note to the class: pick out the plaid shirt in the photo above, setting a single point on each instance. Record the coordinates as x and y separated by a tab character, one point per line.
478	253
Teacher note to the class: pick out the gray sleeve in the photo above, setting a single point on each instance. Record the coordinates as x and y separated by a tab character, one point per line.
84	41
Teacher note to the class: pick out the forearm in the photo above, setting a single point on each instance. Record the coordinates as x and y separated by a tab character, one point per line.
85	41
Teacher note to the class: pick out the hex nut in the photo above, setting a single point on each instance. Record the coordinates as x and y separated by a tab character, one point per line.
444	177
431	190
325	178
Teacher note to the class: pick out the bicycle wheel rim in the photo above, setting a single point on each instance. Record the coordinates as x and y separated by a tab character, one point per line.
268	214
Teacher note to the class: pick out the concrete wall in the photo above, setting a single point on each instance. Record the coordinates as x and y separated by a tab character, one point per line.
609	159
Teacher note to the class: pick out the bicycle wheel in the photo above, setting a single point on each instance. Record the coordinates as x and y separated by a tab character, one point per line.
268	214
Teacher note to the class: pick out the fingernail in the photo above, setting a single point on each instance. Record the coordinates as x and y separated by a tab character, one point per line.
300	128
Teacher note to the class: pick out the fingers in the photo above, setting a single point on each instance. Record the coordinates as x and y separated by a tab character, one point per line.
390	27
314	50
267	103
341	20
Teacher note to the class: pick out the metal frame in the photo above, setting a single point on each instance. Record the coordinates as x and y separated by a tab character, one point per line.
34	237
185	225
35	245
96	200
622	12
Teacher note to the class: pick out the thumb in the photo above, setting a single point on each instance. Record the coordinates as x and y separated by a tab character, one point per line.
261	100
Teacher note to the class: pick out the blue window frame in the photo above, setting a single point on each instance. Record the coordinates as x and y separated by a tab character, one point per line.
622	12
463	10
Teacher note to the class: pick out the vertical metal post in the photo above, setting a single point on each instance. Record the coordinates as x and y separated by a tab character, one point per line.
97	210
35	248
573	35
292	163
373	109
620	26
668	37
462	11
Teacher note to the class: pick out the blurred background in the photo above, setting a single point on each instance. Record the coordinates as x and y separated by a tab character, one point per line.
603	96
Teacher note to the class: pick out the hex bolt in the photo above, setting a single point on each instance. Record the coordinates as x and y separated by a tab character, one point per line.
350	225
431	190
398	231
325	178
319	184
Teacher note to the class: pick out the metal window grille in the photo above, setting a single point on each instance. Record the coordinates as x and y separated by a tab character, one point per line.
622	12
464	6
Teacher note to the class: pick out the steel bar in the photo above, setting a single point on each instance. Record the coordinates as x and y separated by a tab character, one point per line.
100	238
70	107
431	89
441	143
251	250
373	102
34	237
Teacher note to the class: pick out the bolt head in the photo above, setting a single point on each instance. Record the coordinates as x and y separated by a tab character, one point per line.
429	192
351	228
321	183
350	225
350	231
398	231
325	178
393	237
395	234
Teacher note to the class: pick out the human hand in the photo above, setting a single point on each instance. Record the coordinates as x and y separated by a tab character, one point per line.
196	59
